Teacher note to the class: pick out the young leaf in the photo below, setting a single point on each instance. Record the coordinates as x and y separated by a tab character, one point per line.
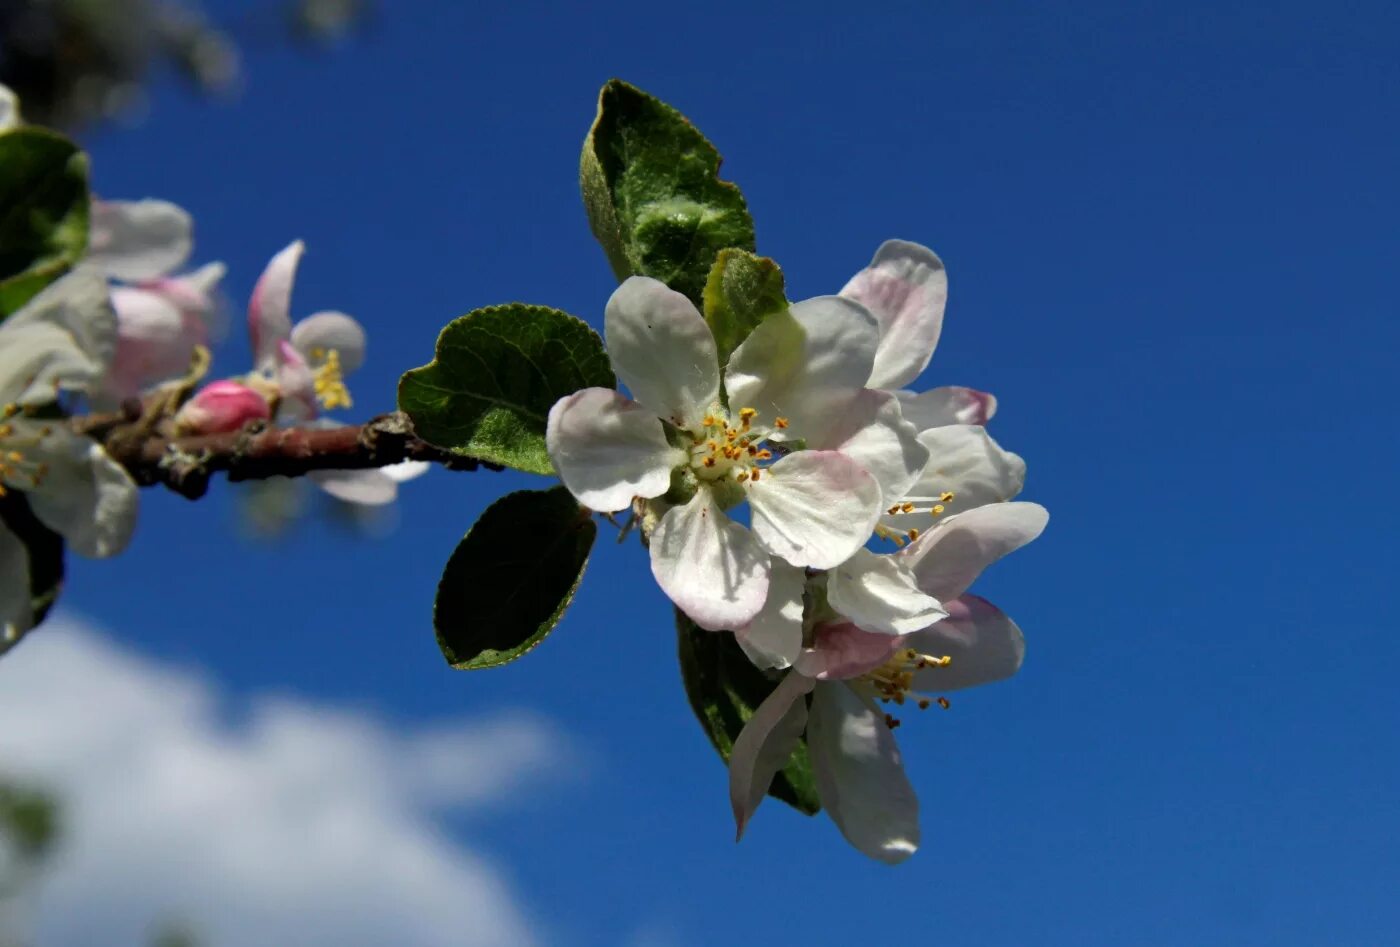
511	578
724	690
44	208
741	291
651	187
496	373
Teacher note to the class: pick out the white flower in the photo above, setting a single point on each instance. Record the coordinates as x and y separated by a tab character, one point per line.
305	365
906	288
796	382
61	341
856	763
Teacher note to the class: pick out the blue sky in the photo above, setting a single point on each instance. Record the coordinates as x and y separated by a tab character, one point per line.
1171	240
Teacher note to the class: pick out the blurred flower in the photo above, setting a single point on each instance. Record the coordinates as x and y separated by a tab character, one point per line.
220	407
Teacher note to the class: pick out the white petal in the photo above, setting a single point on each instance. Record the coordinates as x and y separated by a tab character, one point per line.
906	288
814	508
949	557
155	340
963	461
662	350
361	487
860	775
983	642
774	638
947	405
803	364
9	109
269	309
765	745
85	496
16	611
296	383
406	470
878	593
841	651
139	240
316	335
871	431
608	449
710	566
65	337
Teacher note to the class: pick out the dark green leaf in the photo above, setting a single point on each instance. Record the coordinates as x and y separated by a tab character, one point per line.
511	578
725	689
496	373
45	550
742	290
44	209
652	190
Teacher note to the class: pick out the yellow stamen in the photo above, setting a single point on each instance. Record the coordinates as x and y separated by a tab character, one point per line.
330	382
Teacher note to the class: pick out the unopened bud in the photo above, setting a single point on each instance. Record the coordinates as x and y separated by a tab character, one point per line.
220	407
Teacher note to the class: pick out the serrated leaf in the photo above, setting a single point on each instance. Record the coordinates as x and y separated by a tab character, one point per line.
511	578
742	290
724	689
44	549
496	373
44	208
651	187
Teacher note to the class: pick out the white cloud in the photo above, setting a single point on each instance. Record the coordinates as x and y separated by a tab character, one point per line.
296	824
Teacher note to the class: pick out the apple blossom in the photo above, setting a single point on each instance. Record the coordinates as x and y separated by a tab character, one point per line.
798	384
221	406
59	342
847	669
906	288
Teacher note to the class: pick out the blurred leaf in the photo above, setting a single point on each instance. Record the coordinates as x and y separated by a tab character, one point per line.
725	689
28	820
43	212
651	187
741	291
45	551
511	578
496	373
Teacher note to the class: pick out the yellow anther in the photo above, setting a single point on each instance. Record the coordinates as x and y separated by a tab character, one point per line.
943	702
14	456
780	423
709	421
10	410
709	461
6	430
913	535
907	508
764	454
330	383
947	497
754	476
741	476
937	509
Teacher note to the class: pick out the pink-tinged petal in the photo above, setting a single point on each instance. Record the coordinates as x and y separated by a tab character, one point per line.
155	341
879	594
360	487
220	407
662	350
193	292
269	310
608	449
710	566
983	642
841	651
316	336
814	508
948	558
948	405
139	240
906	288
764	746
804	364
774	638
297	384
966	469
860	775
871	431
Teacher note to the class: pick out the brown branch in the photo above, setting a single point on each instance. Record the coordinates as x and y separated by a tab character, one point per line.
185	464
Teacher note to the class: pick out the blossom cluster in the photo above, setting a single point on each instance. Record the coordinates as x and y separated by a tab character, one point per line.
802	498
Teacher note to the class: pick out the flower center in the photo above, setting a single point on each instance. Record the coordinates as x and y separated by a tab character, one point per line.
932	505
329	380
894	681
15	469
733	450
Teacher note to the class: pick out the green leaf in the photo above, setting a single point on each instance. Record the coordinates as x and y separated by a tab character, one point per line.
725	689
496	373
651	187
742	290
511	578
45	549
44	207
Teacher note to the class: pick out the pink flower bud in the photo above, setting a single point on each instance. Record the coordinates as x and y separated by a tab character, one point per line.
220	407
